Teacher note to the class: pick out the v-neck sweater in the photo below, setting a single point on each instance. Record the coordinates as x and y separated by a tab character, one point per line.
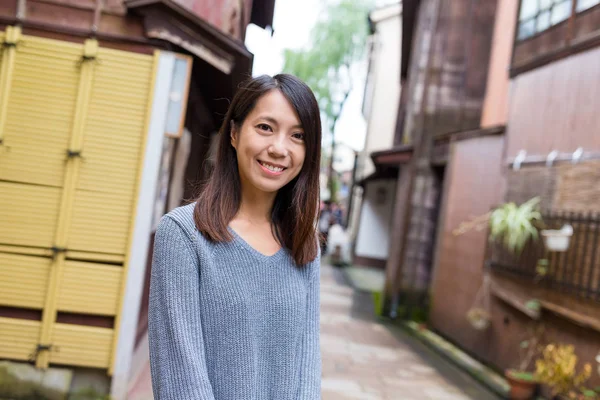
226	322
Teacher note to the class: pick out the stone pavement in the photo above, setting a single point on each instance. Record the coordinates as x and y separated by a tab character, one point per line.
366	359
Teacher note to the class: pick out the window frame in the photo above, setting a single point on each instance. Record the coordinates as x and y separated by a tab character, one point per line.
572	43
535	17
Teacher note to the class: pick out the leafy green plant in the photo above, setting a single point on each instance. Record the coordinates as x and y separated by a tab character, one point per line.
533	305
557	368
541	268
530	347
515	225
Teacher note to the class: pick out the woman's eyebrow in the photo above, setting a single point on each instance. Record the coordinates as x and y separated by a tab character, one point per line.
274	121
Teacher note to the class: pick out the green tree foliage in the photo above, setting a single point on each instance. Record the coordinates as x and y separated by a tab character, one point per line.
337	43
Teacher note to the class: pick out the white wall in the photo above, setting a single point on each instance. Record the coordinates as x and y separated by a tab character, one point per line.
373	238
383	88
142	229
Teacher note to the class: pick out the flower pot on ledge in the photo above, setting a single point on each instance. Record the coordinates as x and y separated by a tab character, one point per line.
558	239
522	384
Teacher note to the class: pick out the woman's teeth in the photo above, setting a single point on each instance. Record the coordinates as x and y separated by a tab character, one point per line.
271	167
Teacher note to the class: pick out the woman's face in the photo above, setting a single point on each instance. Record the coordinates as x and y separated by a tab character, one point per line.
269	145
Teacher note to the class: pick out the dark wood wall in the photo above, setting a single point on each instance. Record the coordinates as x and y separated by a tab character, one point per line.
555	107
448	75
474	183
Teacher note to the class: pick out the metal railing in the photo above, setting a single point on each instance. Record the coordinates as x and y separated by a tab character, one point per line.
575	271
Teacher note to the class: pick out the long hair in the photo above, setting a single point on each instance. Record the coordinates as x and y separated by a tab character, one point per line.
296	204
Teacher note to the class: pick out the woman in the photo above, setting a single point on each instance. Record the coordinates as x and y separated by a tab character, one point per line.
234	295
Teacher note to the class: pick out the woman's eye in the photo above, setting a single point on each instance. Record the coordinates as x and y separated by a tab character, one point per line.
299	136
264	127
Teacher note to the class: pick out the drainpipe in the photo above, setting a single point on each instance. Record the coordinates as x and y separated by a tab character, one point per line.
97	14
21	10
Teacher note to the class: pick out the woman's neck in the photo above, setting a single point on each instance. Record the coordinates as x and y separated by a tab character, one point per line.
256	207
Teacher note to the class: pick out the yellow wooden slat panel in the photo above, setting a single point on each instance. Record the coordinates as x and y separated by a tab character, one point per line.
112	149
42	44
90	288
115	122
100	222
28	214
23	280
40	111
84	346
18	338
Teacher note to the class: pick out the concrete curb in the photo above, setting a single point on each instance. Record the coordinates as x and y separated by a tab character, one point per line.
474	368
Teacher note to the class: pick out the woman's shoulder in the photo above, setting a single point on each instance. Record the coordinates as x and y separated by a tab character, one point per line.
183	217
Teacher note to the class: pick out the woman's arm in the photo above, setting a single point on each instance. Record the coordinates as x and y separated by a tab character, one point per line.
177	356
310	373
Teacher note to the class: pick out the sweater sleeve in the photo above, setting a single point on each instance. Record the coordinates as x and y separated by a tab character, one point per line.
177	356
310	373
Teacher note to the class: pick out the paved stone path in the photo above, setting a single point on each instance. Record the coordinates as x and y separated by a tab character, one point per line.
365	359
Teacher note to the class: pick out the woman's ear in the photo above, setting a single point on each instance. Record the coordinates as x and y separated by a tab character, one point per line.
233	134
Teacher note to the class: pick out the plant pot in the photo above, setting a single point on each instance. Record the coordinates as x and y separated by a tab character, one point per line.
558	239
522	385
479	318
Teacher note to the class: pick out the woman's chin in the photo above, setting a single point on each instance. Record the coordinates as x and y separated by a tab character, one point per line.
267	187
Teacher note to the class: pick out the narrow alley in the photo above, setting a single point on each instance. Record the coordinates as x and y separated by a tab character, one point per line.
365	359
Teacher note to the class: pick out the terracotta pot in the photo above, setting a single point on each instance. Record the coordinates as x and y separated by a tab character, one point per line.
520	389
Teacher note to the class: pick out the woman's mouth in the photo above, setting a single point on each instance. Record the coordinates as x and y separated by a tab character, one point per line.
272	169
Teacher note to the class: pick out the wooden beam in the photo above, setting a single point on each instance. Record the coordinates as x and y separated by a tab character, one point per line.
573	316
512	300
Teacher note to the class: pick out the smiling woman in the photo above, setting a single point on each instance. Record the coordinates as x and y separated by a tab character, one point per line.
234	295
267	168
269	145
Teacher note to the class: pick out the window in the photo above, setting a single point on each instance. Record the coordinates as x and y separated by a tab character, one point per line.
536	16
583	5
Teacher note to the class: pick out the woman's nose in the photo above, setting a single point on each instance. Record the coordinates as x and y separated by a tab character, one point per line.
278	147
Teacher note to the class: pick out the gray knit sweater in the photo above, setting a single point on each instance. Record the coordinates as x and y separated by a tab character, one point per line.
229	323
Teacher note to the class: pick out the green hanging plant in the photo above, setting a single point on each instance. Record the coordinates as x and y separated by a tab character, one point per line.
515	225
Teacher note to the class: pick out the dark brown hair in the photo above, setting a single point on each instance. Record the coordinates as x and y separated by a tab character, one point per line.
296	204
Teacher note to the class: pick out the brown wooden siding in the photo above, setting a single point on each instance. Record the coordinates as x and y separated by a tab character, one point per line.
556	107
473	185
447	81
510	326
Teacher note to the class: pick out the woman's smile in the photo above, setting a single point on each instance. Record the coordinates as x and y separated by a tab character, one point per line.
271	169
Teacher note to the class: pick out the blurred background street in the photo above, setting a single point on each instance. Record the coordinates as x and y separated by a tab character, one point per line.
364	358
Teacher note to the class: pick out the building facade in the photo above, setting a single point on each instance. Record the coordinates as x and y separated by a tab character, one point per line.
498	108
382	95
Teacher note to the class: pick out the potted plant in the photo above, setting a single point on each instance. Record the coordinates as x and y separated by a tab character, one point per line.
523	383
515	225
478	315
557	368
558	239
479	318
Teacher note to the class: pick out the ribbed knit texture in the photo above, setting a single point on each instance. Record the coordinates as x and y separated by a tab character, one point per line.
229	323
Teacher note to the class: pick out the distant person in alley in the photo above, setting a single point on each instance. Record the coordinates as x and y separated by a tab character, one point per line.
324	223
234	294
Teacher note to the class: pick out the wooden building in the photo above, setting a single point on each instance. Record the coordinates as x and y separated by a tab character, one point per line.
99	101
501	106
